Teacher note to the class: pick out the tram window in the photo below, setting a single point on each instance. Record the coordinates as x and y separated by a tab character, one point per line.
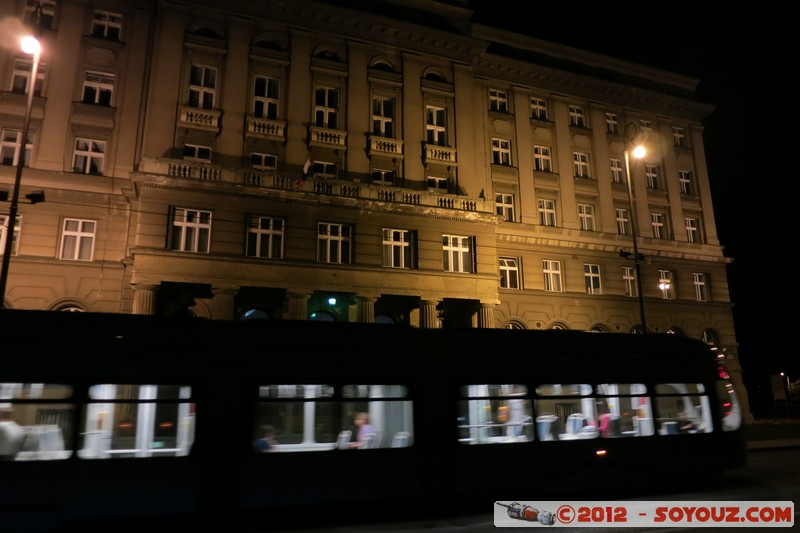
682	408
41	421
494	414
624	410
313	418
729	406
139	421
565	412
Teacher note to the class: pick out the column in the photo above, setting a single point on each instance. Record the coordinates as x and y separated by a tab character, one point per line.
427	314
366	309
298	305
486	316
222	305
144	299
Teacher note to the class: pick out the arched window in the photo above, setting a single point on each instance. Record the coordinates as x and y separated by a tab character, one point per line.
384	319
324	316
514	324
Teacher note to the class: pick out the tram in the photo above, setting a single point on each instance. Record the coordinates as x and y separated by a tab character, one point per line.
128	420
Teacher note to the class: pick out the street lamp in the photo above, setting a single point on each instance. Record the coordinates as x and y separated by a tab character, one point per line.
638	153
30	46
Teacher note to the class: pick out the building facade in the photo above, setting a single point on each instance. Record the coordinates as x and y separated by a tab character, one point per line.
309	160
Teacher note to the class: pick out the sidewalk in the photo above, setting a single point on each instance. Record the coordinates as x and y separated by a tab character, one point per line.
773	444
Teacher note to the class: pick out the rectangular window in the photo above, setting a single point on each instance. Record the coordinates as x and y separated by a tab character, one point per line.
651	173
692	229
438	184
666	284
263	161
194	152
191	230
538	108
202	86
106	25
682	408
334	243
580	165
383	177
586	216
4	219
77	239
509	273
436	125
495	414
629	280
324	169
686	181
591	277
399	248
547	212
577	116
623	222
542	159
21	78
88	156
552	275
458	254
646	127
501	152
679	136
266	97
46	412
40	14
498	101
612	123
383	115
504	206
657	221
265	237
9	147
700	287
98	88
326	107
617	174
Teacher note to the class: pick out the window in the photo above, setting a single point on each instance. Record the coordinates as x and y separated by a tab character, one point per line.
77	239
686	181
383	177
646	126
504	206
498	101
202	86
623	222
580	164
266	97
191	230
542	159
501	152
624	410
666	285
106	25
383	114
591	278
4	218
9	147
438	184
547	212
586	216
265	237
657	221
612	123
98	88
325	169
700	287
436	125
577	117
88	156
509	273
21	78
194	152
457	253
399	248
48	411
629	280
40	14
617	174
495	414
538	108
326	107
692	229
263	161
651	173
552	275
678	136
682	408
334	243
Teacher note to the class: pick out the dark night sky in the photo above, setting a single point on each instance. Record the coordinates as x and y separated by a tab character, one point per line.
742	59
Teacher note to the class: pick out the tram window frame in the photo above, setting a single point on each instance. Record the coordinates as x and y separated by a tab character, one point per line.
682	408
495	414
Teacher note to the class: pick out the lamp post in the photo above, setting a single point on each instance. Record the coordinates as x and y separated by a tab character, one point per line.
638	153
30	46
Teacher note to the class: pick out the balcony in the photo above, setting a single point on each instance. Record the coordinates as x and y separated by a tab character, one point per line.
262	128
327	138
433	153
200	119
92	115
385	146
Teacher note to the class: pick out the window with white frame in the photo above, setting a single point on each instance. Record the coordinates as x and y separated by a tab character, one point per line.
580	164
617	173
436	125
692	229
98	88
612	123
686	181
263	161
383	115
266	97
547	212
326	107
438	184
678	136
700	286
202	86
4	219
325	169
586	217
646	126
538	108
577	116
504	206
629	281
657	220
77	239
40	14
591	278
399	248
651	174
191	230
458	253
552	275
542	158
666	284
498	100
384	177
501	152
10	145
106	25
21	77
88	156
264	237
623	221
195	152
334	243
509	273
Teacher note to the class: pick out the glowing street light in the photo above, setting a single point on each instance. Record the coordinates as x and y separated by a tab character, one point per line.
638	152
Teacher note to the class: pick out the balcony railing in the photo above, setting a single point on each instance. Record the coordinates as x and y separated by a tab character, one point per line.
385	146
266	129
439	154
327	137
203	119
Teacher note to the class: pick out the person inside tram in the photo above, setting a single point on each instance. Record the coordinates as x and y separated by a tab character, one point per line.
364	433
267	442
12	436
686	424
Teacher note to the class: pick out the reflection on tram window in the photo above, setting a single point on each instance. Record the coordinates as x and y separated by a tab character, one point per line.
309	418
137	421
34	424
624	410
565	412
682	408
493	414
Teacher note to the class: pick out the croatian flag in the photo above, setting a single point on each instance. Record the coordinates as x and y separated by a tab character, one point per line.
306	169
